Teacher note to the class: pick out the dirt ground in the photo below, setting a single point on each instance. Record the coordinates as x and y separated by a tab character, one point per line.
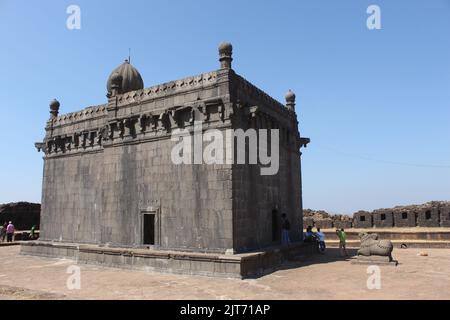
319	277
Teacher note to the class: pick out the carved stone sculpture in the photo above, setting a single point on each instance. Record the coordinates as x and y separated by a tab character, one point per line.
371	246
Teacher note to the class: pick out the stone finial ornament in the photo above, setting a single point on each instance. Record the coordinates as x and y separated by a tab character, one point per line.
290	100
225	54
54	108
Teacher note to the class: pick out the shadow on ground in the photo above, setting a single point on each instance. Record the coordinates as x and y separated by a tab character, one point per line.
331	255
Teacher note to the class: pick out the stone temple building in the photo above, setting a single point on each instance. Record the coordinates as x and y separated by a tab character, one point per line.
112	194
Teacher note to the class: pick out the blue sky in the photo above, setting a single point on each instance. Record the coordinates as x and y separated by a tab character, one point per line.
375	103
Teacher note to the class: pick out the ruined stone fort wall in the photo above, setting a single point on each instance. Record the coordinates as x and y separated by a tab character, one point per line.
431	214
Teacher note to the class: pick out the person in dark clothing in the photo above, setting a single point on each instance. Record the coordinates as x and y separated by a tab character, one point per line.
285	227
309	235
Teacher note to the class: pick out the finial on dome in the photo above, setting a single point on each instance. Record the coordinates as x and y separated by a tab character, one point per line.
290	100
225	55
54	108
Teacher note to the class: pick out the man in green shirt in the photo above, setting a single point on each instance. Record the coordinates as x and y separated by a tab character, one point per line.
342	239
32	232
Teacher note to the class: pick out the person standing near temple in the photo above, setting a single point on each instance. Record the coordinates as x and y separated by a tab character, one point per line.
10	232
33	232
285	227
3	232
308	236
321	239
342	241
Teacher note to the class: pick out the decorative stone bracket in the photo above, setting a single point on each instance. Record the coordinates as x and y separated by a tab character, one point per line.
40	146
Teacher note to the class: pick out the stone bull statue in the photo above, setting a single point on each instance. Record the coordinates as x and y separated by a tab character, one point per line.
371	246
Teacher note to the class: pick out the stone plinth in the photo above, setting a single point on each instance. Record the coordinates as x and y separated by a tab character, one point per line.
374	260
241	266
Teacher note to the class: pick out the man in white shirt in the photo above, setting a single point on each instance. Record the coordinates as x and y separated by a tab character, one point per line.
321	238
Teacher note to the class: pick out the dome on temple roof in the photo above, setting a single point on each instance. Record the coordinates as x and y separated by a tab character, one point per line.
131	78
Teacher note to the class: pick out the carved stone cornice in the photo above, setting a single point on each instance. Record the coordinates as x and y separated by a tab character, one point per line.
132	127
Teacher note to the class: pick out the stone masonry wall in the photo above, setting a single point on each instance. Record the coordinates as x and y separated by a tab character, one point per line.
431	214
107	165
323	224
260	200
362	219
444	215
428	217
404	218
383	218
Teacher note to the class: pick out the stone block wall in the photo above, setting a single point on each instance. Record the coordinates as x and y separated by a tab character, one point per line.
362	219
324	224
428	217
104	198
342	224
444	216
431	214
383	219
405	218
260	200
